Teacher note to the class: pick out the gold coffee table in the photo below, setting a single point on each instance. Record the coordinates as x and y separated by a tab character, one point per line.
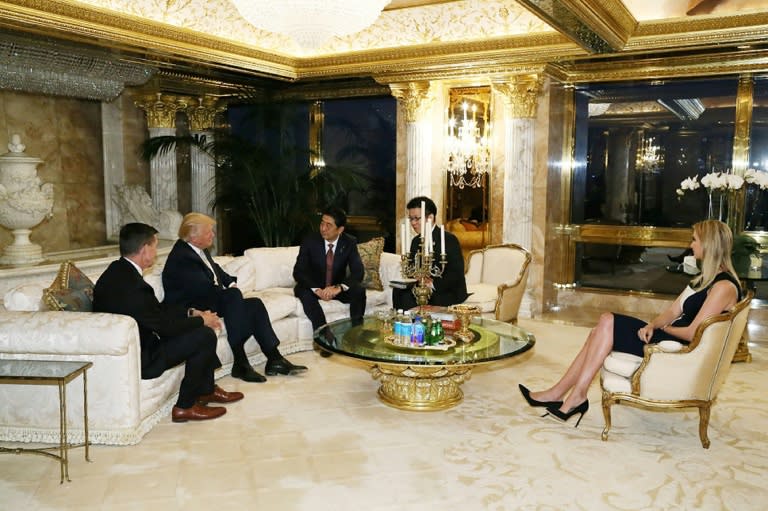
424	379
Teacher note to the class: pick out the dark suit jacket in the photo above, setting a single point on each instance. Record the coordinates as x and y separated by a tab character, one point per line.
451	287
309	270
121	290
189	282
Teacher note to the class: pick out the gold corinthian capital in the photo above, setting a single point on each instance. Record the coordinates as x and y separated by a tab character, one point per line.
202	112
520	93
415	97
160	109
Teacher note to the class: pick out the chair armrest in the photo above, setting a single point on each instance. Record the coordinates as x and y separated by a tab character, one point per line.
510	296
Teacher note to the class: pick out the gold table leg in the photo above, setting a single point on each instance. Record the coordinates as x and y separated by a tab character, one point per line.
420	388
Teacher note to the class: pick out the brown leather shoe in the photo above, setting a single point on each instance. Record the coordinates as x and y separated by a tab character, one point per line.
197	412
220	395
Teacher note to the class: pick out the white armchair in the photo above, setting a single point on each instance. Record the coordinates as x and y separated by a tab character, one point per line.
672	375
496	276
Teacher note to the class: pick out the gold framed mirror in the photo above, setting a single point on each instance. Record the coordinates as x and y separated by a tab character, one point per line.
467	165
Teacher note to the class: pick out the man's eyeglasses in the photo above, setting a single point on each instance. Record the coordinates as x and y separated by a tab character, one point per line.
414	219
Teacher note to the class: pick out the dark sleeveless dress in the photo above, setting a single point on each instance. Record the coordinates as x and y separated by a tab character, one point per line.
625	328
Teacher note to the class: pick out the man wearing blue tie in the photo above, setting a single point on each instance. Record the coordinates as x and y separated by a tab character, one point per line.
321	270
191	278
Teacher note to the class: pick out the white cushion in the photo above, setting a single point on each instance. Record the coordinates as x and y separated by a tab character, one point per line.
156	281
614	383
280	302
483	296
26	297
670	346
622	364
272	266
241	268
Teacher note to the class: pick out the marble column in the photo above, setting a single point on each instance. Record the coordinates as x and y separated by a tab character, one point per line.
520	94
416	100
202	114
160	110
114	163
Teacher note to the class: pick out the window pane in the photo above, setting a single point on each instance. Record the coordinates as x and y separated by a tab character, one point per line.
642	140
756	197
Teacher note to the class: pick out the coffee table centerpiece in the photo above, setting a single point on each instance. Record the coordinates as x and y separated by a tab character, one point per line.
424	379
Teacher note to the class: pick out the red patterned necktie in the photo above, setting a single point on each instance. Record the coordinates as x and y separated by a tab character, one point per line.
329	265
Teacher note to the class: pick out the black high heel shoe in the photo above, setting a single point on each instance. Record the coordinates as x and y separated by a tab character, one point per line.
533	402
581	409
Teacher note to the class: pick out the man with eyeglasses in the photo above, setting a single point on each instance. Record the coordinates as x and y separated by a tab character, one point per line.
448	289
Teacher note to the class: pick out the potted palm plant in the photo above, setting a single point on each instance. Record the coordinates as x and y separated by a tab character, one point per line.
269	186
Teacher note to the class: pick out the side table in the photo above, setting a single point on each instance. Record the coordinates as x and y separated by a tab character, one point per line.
50	372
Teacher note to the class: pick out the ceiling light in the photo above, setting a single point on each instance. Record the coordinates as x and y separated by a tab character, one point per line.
311	23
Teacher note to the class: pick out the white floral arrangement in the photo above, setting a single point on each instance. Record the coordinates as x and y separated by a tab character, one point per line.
757	177
713	182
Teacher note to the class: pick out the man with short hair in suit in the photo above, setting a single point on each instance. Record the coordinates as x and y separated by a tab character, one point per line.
321	270
169	335
192	279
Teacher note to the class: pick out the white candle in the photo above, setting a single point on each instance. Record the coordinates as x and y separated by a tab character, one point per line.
428	237
403	235
423	219
442	240
464	107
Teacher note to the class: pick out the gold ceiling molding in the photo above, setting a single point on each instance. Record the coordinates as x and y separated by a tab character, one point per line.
683	66
598	26
700	31
77	22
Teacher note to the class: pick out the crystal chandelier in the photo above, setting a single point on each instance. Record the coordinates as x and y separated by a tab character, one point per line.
468	156
310	22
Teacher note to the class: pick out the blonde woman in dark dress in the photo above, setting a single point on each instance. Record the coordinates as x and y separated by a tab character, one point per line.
715	290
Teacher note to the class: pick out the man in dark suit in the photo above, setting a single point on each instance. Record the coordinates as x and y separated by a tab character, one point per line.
321	270
448	289
169	335
192	279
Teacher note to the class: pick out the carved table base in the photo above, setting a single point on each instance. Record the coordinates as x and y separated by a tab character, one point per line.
420	388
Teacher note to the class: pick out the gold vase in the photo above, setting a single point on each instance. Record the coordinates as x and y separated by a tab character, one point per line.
464	313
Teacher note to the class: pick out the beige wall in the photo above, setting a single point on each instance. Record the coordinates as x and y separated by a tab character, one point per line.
66	134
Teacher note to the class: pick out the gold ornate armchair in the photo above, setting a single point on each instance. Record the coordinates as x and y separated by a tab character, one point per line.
672	375
496	276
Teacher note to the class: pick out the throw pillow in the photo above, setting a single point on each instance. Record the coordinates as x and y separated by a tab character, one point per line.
71	290
370	253
26	297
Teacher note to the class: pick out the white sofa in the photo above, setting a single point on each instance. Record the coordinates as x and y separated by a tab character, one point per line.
122	407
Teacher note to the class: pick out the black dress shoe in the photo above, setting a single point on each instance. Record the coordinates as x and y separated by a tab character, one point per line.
325	354
282	366
246	373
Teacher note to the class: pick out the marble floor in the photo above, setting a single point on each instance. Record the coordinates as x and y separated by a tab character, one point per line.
323	441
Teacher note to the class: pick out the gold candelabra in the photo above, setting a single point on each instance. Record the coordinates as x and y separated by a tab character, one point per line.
421	268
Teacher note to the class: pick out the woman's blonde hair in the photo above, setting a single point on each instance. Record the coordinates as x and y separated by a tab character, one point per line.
716	242
191	223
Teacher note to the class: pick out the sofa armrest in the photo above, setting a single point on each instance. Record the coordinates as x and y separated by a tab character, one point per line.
67	333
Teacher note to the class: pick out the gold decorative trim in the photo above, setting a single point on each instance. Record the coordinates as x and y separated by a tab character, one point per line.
161	109
202	112
648	236
415	97
420	388
520	93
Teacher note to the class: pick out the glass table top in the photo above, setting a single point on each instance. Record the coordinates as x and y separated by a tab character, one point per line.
496	340
40	369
